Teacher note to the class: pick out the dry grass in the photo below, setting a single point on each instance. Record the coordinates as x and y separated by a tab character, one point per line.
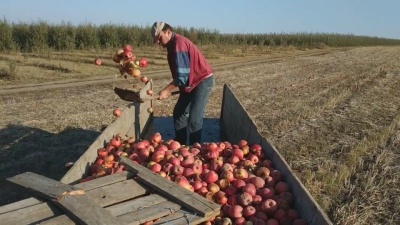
53	66
335	118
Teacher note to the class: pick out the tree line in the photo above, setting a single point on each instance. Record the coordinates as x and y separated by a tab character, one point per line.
39	36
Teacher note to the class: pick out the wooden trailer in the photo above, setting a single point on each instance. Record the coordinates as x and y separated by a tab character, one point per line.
134	201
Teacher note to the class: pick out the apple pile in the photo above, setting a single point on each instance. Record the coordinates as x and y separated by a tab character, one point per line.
127	62
237	176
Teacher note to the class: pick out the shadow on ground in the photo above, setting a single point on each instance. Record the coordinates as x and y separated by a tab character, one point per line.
24	149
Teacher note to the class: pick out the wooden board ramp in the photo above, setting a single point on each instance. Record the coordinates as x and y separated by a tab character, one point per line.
120	198
193	201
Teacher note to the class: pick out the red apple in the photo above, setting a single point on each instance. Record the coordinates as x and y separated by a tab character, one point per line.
197	169
269	206
174	161
250	188
260	222
249	211
97	62
117	112
276	175
241	173
167	167
235	211
281	187
231	190
227	175
300	222
257	200
258	182
143	62
232	200
162	173
272	222
213	188
157	156
233	159
266	163
263	172
253	158
127	48
197	185
242	143
177	170
240	221
244	199
143	79
188	161
174	145
293	214
238	153
156	167
211	177
261	215
270	182
238	184
279	214
220	198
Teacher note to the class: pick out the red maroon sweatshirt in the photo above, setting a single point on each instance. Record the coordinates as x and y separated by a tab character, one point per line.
187	64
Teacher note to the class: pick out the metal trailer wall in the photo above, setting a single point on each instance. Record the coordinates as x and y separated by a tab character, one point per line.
236	124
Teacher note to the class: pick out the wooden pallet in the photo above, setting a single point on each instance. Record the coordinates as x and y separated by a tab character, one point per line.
121	198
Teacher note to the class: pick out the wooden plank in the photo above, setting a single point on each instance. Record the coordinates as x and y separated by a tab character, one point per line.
104	181
59	220
117	192
47	211
115	210
30	215
150	213
19	205
181	217
173	191
135	204
93	184
77	206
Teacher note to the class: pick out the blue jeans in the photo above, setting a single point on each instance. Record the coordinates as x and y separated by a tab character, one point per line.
189	110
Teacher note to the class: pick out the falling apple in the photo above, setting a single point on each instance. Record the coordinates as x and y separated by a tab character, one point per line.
143	62
134	73
117	112
127	48
144	79
97	61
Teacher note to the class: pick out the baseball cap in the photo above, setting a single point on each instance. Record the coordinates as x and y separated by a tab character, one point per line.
157	28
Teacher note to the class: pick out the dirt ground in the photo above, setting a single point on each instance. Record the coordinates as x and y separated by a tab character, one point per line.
334	117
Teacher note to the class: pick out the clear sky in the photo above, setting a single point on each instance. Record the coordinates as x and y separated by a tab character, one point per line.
379	18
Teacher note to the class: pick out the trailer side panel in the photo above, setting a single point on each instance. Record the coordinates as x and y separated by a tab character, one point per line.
236	124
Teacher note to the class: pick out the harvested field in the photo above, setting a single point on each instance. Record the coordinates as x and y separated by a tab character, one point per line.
334	117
